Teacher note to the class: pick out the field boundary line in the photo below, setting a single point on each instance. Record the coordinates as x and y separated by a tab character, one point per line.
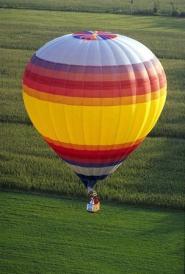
34	49
144	13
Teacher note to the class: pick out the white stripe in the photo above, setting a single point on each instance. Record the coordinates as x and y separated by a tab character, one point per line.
121	50
94	171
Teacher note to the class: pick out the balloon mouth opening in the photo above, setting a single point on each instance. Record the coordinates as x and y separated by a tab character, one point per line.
90	181
94	35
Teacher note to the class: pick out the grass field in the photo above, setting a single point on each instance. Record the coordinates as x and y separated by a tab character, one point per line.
176	7
51	235
153	175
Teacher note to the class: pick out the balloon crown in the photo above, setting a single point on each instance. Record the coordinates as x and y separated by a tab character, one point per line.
94	35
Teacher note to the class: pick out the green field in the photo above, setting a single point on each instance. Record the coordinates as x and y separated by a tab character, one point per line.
154	174
51	235
167	7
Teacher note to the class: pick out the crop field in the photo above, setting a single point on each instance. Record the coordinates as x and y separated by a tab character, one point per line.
145	7
53	235
154	174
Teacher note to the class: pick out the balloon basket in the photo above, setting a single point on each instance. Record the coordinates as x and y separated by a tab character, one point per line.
93	208
93	204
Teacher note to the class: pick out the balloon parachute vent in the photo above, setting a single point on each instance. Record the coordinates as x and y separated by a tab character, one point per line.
94	35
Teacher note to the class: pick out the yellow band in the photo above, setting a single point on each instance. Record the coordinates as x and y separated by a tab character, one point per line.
93	125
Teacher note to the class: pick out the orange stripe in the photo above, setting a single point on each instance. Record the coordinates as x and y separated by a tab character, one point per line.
93	147
85	101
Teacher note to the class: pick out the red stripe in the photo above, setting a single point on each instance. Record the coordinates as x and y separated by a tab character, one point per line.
129	89
93	156
154	81
88	161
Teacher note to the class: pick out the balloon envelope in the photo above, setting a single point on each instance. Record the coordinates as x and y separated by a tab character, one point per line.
94	97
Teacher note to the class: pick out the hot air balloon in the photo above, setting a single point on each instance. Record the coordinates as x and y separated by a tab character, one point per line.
94	96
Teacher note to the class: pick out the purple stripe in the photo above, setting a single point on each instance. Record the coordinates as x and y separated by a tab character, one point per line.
96	69
92	164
